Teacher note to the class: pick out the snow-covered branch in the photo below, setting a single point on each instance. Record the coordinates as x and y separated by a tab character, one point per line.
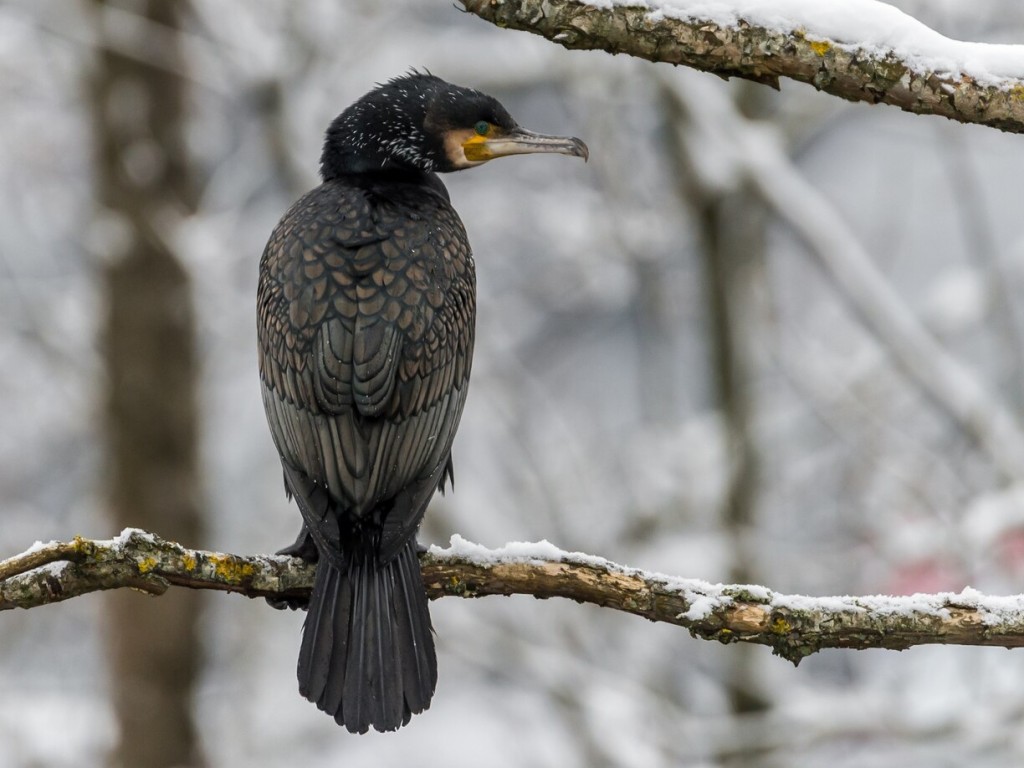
859	50
792	625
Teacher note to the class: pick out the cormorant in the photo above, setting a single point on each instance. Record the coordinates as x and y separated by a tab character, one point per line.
366	311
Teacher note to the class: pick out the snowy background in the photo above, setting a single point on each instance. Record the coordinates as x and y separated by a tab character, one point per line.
596	418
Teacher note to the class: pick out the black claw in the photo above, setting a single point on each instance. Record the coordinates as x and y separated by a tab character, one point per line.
289	603
303	547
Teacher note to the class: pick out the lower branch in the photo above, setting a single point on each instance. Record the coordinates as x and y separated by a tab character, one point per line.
792	626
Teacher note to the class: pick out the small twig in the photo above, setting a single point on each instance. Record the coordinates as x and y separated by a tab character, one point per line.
793	626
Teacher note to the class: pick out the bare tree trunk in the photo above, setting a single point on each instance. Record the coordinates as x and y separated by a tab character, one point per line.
144	181
732	233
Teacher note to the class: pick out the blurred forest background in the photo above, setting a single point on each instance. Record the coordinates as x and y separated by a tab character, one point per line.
664	376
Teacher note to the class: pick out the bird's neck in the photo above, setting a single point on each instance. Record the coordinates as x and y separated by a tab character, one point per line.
389	177
336	162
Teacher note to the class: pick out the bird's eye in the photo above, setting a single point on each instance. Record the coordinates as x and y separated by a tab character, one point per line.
482	128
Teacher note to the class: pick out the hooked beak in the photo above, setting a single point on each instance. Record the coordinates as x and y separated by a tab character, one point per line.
519	141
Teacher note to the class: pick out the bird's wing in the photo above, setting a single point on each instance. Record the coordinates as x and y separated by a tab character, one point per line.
366	311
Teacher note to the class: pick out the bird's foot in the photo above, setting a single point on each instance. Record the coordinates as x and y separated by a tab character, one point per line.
303	547
288	603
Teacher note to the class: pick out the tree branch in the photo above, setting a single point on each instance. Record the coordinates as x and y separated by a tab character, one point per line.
922	72
791	625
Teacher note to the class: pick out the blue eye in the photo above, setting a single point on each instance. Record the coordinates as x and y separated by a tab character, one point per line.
482	128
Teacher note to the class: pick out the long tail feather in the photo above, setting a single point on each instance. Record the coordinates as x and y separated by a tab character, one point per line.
367	655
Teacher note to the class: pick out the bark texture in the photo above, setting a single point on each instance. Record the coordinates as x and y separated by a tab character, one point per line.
763	55
793	626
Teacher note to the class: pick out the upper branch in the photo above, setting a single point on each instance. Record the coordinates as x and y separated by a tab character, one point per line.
922	72
793	626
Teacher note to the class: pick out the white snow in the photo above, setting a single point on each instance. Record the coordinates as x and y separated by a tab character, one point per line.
128	534
994	609
517	552
701	608
872	27
39	545
55	569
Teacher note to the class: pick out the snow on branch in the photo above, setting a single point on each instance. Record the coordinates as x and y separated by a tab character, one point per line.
859	50
793	626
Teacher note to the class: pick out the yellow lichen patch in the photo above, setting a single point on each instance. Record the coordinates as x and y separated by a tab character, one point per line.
230	569
147	564
1017	92
820	47
780	626
82	547
189	562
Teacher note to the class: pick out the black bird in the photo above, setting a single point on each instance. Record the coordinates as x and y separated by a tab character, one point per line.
366	313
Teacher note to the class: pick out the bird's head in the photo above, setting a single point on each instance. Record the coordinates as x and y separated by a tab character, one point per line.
420	122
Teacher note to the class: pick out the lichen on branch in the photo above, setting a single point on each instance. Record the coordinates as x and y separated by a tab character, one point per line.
792	626
755	51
